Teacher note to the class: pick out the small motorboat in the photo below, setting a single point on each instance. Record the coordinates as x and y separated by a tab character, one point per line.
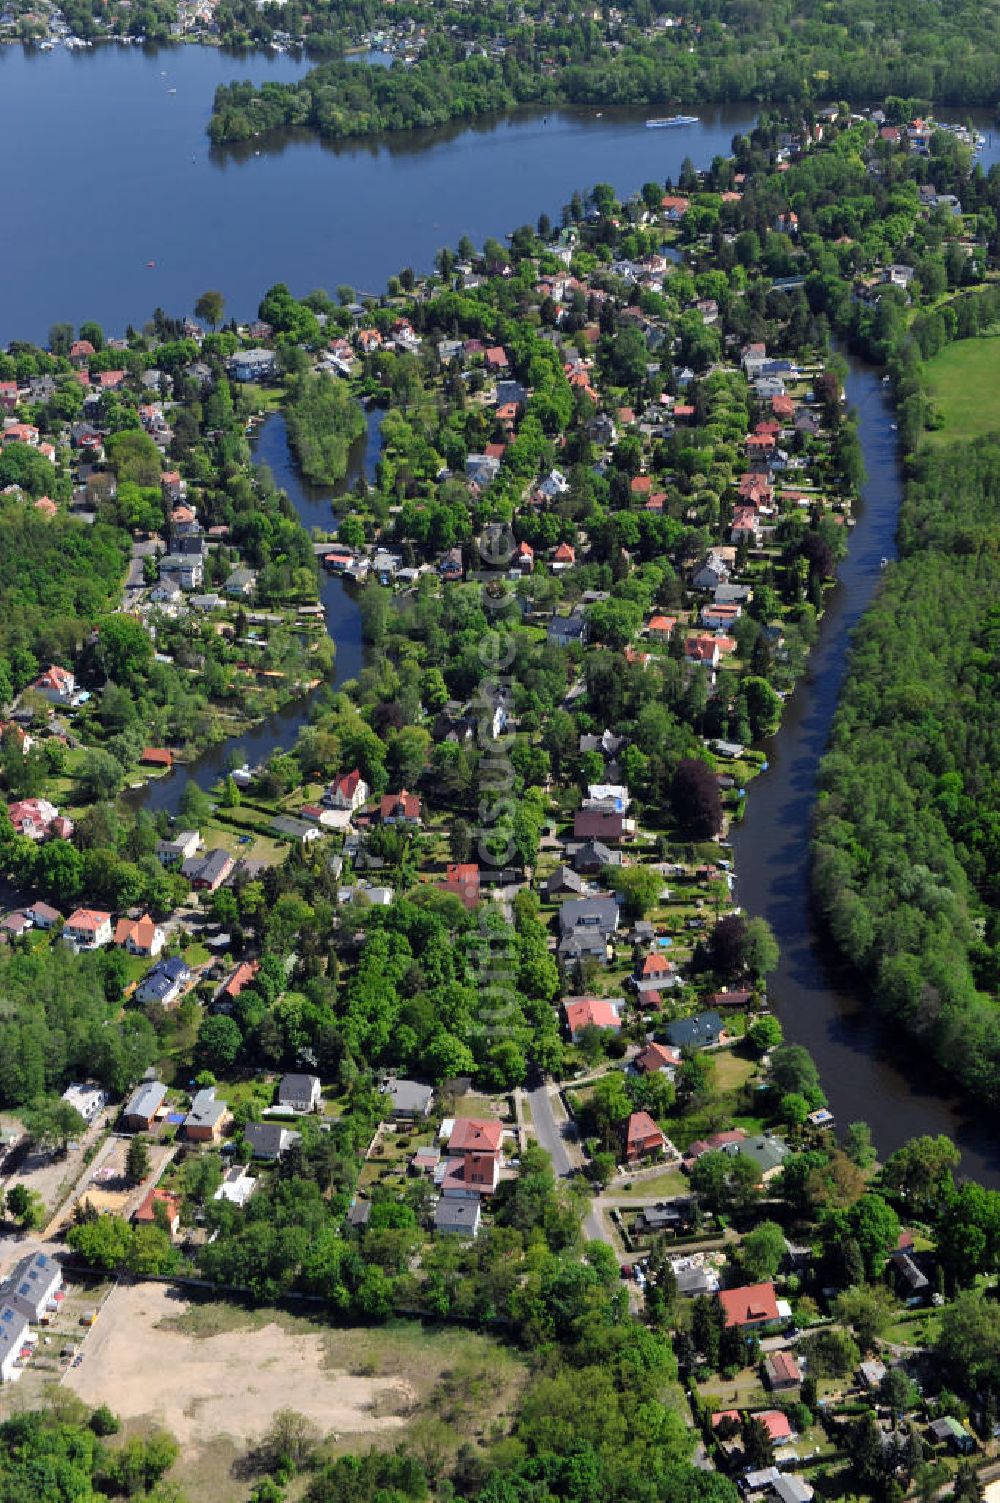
150	264
883	563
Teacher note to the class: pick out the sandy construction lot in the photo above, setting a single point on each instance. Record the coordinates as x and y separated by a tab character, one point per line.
229	1384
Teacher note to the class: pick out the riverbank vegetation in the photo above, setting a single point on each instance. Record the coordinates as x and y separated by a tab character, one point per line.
324	420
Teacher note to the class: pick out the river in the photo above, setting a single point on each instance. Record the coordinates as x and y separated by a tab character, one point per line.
865	1072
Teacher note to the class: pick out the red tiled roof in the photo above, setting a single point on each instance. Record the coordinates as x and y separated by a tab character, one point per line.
747	1306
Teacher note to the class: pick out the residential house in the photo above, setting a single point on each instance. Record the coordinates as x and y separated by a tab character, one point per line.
591	1012
32	1285
592	824
953	1436
411	1099
749	1307
237	1186
695	1279
269	1140
564	631
140	936
347	791
139	1111
165	982
86	1098
88	929
301	1093
563	557
608	798
563	879
208	872
240	584
782	1371
182	846
475	1156
702	1031
642	1137
56	684
400	808
462	878
789	1487
457	1218
715	1143
252	365
241	977
37	819
600	912
149	1214
204	1121
656	1059
592	855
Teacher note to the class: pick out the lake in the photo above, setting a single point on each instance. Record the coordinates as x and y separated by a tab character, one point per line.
79	226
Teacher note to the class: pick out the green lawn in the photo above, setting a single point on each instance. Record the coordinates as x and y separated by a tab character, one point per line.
964	384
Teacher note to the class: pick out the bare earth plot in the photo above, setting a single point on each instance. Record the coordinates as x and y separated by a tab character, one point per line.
230	1384
214	1374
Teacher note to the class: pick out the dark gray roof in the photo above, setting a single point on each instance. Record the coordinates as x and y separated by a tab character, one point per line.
269	1140
410	1097
455	1215
600	913
694	1033
296	1087
146	1099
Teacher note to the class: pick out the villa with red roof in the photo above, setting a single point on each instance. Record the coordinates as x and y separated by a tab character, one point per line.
591	1012
656	1058
88	929
347	791
400	808
753	1305
140	936
56	685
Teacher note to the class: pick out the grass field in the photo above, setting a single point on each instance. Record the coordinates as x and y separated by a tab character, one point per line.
964	384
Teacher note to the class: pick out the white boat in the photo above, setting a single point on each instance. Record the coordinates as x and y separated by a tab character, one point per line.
669	120
883	563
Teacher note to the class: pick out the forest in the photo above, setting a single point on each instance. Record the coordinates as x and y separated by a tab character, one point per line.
722	52
908	827
323	421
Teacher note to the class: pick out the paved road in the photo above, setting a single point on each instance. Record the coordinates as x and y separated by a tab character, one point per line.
548	1131
549	1119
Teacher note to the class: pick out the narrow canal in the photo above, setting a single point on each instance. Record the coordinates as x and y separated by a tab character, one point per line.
314	506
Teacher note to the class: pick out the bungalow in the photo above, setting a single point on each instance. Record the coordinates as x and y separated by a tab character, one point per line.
457	1218
591	1012
600	913
56	684
269	1140
164	983
564	631
948	1432
208	872
563	879
642	1137
139	1111
400	808
31	1285
157	756
496	358
347	791
146	1212
777	1425
203	1123
717	1142
86	1098
702	1031
656	1059
242	976
752	1306
88	929
411	1099
781	1371
592	824
140	936
301	1093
